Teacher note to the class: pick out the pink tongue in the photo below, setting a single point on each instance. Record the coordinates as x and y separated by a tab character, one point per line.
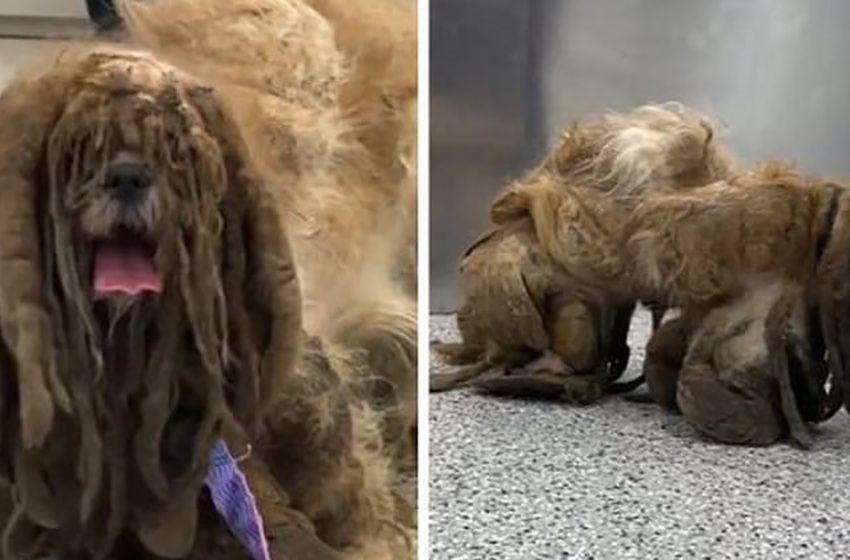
124	268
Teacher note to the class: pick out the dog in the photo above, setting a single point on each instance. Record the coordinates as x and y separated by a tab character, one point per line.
207	237
332	116
754	263
532	304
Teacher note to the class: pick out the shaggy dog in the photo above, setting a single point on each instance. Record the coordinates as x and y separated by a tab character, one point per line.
753	263
176	219
529	305
756	265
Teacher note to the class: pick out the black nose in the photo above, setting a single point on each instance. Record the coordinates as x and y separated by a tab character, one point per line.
127	181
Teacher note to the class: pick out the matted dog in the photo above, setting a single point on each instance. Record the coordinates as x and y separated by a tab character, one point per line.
207	237
757	264
753	262
531	304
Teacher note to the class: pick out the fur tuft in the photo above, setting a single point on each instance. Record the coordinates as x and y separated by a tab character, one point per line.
654	146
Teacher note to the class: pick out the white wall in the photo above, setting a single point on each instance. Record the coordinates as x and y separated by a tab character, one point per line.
44	8
15	53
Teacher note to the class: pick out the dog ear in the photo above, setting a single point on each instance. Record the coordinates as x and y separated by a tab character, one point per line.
510	205
259	253
28	109
258	273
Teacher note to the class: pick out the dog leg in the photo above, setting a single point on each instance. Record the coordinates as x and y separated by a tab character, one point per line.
569	370
776	337
459	378
735	384
665	353
658	313
324	446
457	353
385	335
620	351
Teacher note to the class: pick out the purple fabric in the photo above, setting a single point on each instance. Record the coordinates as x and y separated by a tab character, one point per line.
235	503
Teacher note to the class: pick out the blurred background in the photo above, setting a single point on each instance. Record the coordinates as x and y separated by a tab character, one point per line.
28	26
506	75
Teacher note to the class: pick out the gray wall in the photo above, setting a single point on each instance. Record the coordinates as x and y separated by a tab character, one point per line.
507	74
44	8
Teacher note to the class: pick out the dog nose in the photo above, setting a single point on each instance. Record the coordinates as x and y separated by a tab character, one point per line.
127	181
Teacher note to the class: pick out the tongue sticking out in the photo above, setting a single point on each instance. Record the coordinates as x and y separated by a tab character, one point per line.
124	267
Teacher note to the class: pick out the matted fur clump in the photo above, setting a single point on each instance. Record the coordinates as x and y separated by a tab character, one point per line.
533	300
151	303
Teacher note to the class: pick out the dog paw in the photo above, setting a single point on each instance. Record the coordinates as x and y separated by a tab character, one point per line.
802	437
582	390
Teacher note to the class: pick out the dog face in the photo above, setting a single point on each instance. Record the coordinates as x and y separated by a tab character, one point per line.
137	172
117	211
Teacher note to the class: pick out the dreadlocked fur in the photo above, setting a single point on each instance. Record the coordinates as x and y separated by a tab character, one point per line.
117	423
331	114
528	302
110	407
755	262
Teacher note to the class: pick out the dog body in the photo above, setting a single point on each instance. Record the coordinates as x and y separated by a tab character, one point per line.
153	304
698	247
749	372
744	260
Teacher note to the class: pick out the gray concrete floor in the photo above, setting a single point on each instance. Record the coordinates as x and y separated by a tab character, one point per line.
618	480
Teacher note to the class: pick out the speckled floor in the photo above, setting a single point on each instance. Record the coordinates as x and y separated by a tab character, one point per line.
524	480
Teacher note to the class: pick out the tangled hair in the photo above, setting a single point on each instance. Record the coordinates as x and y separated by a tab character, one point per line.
110	408
331	108
653	146
330	119
604	166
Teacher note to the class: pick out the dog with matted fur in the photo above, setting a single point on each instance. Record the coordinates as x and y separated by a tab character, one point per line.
536	319
757	264
753	262
207	241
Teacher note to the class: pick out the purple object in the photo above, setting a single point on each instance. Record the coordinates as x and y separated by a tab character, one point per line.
234	502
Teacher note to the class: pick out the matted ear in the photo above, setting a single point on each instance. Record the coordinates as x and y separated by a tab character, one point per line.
28	109
263	293
258	272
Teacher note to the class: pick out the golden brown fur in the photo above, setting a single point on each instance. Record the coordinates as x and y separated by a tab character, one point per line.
755	262
774	218
527	288
701	247
273	124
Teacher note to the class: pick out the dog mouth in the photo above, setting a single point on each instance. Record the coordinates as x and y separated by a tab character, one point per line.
125	265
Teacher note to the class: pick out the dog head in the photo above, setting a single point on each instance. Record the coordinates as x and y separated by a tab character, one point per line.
651	147
135	176
151	301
